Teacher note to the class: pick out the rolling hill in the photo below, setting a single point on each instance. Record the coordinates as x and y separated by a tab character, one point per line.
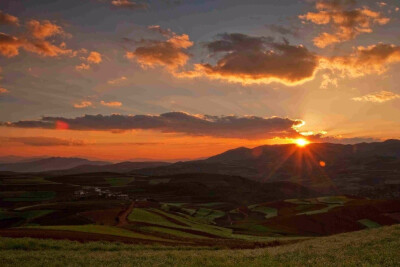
368	169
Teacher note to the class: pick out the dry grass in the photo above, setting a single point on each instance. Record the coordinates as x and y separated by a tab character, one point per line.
374	247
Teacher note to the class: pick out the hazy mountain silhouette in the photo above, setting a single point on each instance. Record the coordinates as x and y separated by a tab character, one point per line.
355	169
121	167
48	164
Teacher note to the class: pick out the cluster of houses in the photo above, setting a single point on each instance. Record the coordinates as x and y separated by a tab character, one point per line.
91	192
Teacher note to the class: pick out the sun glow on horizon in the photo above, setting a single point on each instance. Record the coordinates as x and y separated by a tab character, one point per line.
301	142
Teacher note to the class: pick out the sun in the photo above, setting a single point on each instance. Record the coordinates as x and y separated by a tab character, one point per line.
301	142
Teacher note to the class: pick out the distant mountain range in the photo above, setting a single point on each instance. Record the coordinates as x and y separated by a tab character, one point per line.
265	162
15	159
362	169
365	168
48	164
122	167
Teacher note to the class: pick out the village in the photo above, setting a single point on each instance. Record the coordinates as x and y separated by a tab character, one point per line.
88	192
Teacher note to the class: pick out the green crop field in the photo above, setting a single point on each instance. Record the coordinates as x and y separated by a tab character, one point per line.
324	210
333	199
26	181
99	229
119	181
373	247
31	196
147	216
165	220
269	212
172	232
369	224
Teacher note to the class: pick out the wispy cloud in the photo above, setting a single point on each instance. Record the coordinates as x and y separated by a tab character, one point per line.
373	59
42	141
82	66
111	104
117	80
83	104
93	58
3	91
377	97
129	4
7	19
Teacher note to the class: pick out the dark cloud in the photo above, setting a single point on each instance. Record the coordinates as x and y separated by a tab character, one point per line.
294	31
234	42
247	127
8	19
42	141
248	59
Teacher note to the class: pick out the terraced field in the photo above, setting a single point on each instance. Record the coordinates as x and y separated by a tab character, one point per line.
159	211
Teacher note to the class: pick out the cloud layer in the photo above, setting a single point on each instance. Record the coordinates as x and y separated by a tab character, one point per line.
247	127
42	141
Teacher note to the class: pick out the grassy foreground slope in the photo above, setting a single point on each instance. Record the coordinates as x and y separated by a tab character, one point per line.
373	247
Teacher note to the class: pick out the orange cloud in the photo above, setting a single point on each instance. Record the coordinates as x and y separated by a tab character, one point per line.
3	91
8	19
117	81
169	53
111	104
377	97
9	45
83	104
128	4
82	66
247	59
45	48
373	59
382	4
44	29
35	41
346	23
94	57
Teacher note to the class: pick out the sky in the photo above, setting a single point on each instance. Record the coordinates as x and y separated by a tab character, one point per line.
174	79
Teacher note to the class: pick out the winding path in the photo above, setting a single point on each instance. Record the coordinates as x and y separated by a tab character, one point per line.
122	218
